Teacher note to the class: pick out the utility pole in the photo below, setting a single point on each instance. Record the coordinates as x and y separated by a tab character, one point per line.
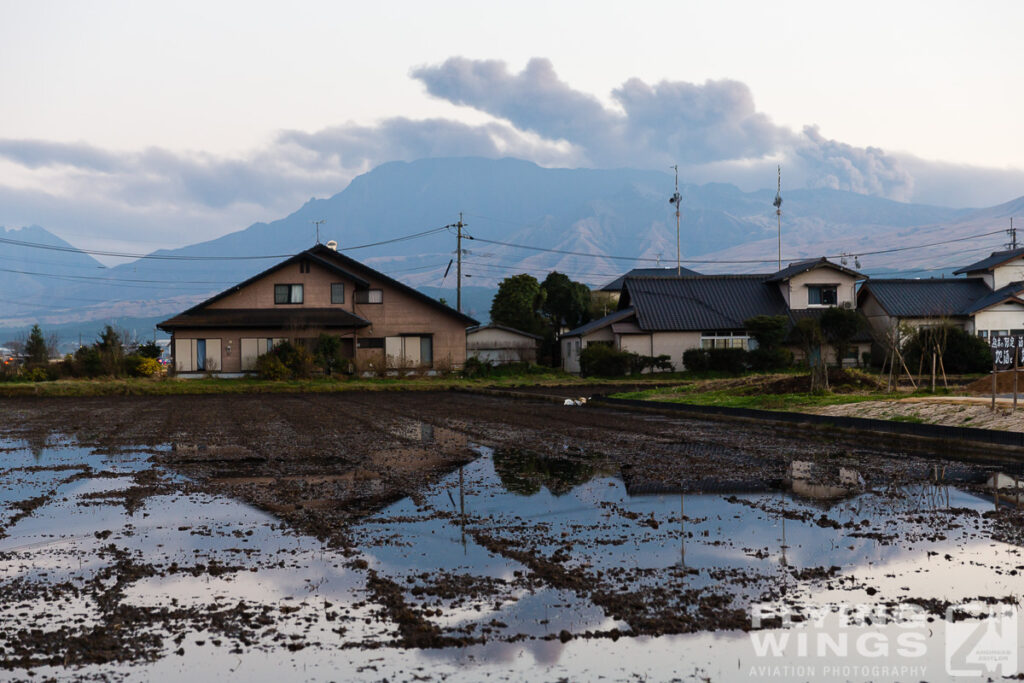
778	212
1012	232
458	267
317	224
677	200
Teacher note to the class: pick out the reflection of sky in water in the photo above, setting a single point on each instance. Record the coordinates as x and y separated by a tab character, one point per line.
407	540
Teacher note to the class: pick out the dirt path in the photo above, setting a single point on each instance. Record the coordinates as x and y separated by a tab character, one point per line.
954	411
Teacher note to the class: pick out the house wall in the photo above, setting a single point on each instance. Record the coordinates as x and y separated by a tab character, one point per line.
1007	273
233	341
572	346
1006	316
796	297
642	344
501	346
400	314
673	344
879	321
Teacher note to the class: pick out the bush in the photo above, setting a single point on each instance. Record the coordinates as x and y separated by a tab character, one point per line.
763	360
149	350
963	352
604	361
142	366
269	366
697	360
638	363
37	374
733	361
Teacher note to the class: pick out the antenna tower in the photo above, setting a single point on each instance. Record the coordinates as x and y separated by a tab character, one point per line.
317	223
677	200
1012	232
778	212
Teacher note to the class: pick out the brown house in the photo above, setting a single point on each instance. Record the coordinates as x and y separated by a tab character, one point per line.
382	323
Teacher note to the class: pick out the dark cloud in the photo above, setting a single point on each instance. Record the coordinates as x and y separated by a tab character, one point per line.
671	122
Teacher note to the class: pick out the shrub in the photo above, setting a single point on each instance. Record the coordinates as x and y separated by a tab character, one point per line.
638	363
149	350
604	361
765	359
143	366
963	352
733	361
697	360
269	366
37	374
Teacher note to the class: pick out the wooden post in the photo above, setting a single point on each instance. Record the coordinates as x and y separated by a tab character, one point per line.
933	372
1016	350
993	385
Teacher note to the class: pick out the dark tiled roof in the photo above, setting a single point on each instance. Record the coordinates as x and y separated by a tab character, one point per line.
705	302
347	267
616	284
1010	291
281	317
810	264
995	258
496	326
593	325
926	298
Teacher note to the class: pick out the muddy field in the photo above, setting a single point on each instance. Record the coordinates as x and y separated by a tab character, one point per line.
437	536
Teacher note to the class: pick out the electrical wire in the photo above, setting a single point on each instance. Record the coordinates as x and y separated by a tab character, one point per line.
173	257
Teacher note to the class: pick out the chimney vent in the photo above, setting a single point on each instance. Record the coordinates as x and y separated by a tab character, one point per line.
332	245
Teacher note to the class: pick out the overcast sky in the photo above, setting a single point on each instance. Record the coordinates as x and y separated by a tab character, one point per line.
140	125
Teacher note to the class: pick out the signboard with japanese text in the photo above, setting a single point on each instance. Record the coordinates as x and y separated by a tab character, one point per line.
1004	349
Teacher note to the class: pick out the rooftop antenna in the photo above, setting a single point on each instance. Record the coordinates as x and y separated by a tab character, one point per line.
677	200
1012	232
317	224
778	212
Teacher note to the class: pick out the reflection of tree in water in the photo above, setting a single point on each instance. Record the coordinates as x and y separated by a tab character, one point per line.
525	473
36	443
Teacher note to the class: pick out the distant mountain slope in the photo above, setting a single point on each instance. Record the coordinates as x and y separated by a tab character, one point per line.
598	213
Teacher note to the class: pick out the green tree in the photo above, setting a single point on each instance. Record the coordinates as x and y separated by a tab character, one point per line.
516	304
808	331
769	331
564	301
149	350
327	352
110	347
838	327
35	348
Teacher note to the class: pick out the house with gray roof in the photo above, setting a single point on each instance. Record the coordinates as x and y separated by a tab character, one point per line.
660	315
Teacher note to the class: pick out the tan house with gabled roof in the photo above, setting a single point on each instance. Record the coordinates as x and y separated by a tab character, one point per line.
381	322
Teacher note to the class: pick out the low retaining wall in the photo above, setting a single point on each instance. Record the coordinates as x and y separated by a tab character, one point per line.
964	435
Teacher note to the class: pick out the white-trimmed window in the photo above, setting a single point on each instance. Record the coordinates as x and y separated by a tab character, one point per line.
822	295
724	339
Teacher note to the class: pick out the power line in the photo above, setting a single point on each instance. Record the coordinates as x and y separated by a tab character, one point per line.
172	257
731	261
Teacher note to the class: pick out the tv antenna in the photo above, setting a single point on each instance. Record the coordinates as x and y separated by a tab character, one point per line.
317	223
1012	232
778	212
677	200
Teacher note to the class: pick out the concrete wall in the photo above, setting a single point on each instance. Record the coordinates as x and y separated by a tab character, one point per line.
399	314
673	344
797	287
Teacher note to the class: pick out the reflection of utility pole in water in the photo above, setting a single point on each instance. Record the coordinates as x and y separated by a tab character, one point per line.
682	533
462	506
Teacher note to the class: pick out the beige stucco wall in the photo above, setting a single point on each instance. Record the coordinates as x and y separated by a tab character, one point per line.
572	346
399	314
636	343
796	292
878	320
1010	272
673	344
1006	316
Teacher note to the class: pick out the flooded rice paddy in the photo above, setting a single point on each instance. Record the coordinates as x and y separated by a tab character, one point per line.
564	563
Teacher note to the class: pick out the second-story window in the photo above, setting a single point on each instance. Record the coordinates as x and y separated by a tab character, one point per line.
821	295
287	294
369	296
337	292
